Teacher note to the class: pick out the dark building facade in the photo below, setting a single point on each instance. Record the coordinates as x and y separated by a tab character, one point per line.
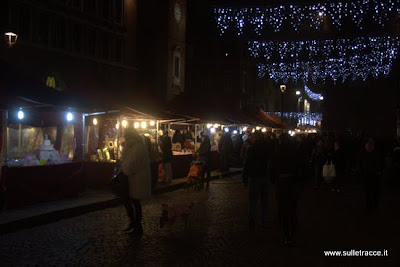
75	45
162	48
220	66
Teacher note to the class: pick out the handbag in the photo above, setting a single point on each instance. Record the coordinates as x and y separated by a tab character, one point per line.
329	171
119	184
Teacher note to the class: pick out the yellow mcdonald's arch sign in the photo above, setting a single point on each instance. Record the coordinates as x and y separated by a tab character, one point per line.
51	82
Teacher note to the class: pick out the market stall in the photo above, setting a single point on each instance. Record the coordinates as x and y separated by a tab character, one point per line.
41	141
41	153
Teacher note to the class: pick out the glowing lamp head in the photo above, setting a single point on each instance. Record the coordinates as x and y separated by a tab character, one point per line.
216	125
124	123
20	115
136	125
298	93
152	123
212	130
283	88
11	38
235	131
143	125
263	130
258	128
226	129
244	129
95	121
70	116
321	98
117	126
209	125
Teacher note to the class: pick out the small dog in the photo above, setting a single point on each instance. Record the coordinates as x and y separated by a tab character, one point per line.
170	213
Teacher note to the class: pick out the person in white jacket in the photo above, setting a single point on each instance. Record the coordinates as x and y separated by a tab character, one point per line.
135	164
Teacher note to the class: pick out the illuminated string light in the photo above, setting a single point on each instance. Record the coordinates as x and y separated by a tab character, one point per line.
315	49
259	19
302	118
339	59
312	95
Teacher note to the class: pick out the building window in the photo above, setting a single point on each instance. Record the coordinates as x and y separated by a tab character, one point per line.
118	50
76	38
76	4
62	2
118	11
228	81
42	30
60	34
106	47
91	6
91	42
176	66
24	24
106	9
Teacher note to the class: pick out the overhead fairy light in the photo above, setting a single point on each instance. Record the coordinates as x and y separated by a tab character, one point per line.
257	19
302	118
314	49
354	68
312	95
336	59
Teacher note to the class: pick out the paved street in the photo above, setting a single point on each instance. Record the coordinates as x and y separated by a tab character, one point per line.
216	234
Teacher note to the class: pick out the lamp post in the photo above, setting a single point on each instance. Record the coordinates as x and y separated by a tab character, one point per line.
298	93
283	89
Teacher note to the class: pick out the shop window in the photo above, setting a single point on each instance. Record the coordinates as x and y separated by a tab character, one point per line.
76	38
60	34
42	29
91	42
67	143
24	24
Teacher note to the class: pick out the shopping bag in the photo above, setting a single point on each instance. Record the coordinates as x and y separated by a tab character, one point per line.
119	184
328	171
194	171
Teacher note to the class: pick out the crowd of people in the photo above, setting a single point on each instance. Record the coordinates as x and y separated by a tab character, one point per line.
285	163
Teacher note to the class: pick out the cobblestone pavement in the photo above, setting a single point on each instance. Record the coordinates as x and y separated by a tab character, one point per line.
216	233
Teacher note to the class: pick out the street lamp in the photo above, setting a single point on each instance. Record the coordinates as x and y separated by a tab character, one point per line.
11	38
283	89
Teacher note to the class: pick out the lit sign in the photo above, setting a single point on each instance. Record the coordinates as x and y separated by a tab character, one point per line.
51	82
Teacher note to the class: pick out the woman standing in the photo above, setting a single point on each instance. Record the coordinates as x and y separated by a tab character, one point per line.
204	153
135	164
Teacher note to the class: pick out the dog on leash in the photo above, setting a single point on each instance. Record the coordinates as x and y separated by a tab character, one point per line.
170	213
